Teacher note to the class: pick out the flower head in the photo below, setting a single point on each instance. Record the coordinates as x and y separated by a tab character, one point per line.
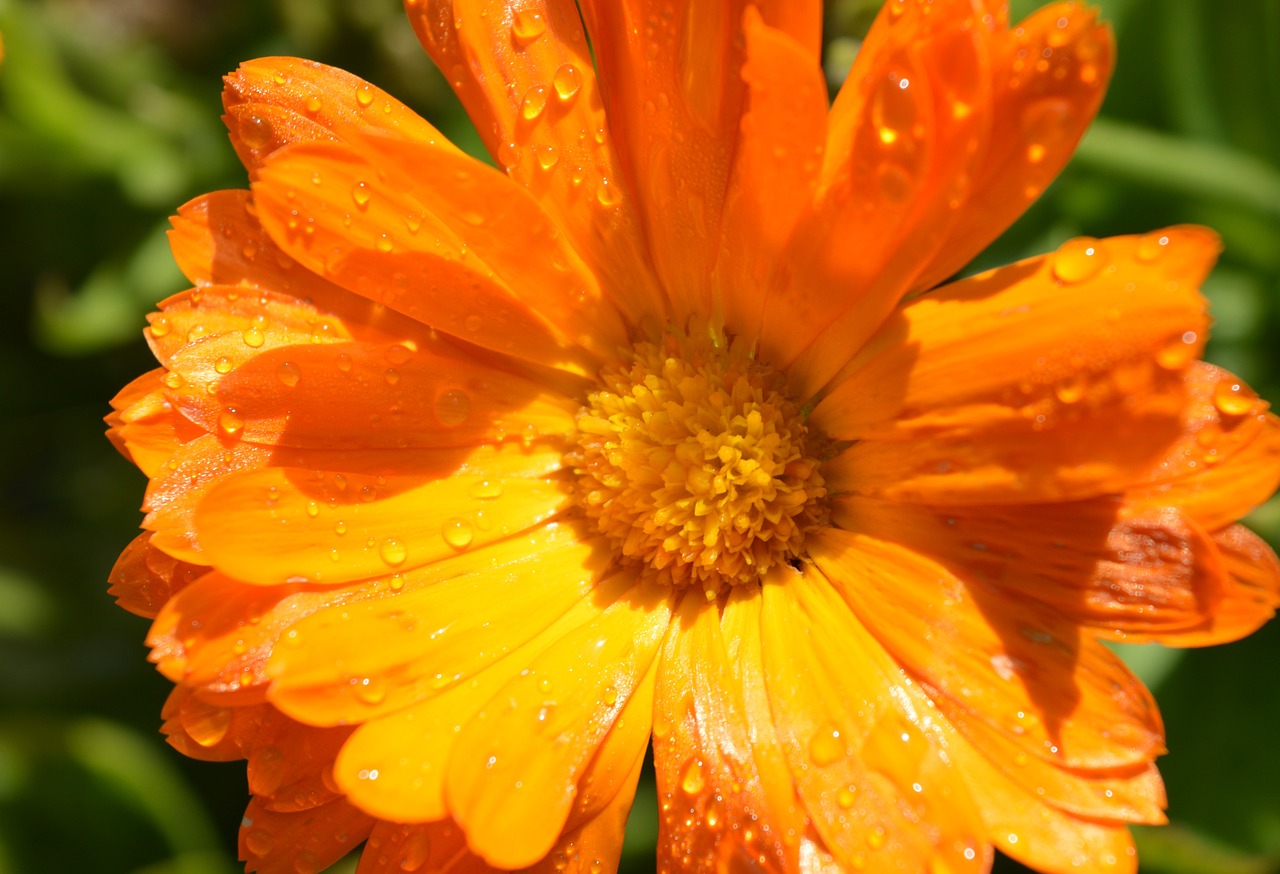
466	483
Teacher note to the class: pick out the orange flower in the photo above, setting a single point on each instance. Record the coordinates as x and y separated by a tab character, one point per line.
464	484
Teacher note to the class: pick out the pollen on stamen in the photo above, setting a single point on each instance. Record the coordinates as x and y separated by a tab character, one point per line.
693	460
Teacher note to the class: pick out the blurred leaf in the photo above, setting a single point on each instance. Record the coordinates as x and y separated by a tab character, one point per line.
25	611
1179	850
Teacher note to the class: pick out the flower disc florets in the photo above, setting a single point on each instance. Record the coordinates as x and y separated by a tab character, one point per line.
695	461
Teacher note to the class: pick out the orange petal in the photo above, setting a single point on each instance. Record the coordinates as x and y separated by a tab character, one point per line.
433	628
407	243
394	766
527	80
904	132
775	168
284	391
1048	77
726	795
670	79
1121	569
867	759
145	427
292	769
513	776
283	525
440	847
1002	661
1249	599
209	730
173	494
144	578
1055	379
276	102
217	240
273	842
1226	461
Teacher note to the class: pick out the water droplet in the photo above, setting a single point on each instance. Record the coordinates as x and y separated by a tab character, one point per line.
1232	398
256	132
1153	247
289	373
846	796
876	837
567	81
452	407
607	194
344	362
458	533
1045	125
392	376
547	156
527	26
230	422
393	552
1073	388
370	691
509	155
222	365
413	223
895	182
174	380
259	842
1178	352
693	781
1077	260
361	193
253	338
415	851
364	94
160	327
487	489
534	102
826	747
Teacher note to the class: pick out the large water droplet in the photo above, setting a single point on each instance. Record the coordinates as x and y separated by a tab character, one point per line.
1232	398
534	102
452	407
1178	352
458	533
693	781
364	94
1152	247
527	26
394	552
826	747
487	489
288	373
256	132
567	81
259	841
361	193
160	327
1077	260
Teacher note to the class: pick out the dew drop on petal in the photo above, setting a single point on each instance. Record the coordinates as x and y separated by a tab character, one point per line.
364	95
393	552
361	194
527	26
230	422
534	102
1153	247
1077	260
509	155
1045	125
160	327
1178	352
487	489
876	837
1072	389
693	781
259	841
174	380
370	691
458	533
567	82
415	851
452	407
826	747
222	365
1231	398
256	132
846	797
288	373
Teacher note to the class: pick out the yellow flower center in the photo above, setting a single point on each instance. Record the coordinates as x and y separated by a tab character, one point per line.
694	460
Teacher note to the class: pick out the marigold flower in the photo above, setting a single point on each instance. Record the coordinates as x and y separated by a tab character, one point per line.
464	484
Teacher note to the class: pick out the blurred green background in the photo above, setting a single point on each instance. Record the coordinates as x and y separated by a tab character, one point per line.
109	119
